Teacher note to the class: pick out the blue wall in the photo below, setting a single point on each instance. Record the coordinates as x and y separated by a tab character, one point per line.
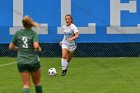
83	12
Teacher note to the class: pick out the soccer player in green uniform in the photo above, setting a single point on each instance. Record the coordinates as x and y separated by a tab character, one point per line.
26	43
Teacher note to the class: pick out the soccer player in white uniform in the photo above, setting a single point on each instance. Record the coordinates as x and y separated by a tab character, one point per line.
68	43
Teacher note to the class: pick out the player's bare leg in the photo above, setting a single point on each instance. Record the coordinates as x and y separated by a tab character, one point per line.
26	81
69	57
36	80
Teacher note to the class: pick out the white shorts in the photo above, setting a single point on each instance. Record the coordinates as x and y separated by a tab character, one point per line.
70	49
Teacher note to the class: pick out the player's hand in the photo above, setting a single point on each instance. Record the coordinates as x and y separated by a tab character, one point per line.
39	49
35	24
69	39
60	43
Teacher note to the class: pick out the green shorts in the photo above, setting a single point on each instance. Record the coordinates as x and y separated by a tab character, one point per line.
28	67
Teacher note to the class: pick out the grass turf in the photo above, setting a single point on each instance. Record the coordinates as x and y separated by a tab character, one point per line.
85	75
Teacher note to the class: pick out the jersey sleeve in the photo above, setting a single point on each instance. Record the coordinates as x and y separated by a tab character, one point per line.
75	28
35	37
14	39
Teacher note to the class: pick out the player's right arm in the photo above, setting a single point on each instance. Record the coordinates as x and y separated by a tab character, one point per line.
36	43
37	46
60	43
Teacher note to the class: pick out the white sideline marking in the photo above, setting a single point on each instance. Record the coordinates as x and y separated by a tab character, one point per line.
7	64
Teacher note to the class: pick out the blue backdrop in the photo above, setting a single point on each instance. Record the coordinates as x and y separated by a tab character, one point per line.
83	12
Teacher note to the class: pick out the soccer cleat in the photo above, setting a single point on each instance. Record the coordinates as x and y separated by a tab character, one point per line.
64	72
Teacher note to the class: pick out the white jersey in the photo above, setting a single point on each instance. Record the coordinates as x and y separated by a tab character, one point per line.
69	32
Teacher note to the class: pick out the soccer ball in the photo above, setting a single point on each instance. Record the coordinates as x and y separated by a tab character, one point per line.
52	72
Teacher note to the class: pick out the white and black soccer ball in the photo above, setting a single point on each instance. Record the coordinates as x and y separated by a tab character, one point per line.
52	72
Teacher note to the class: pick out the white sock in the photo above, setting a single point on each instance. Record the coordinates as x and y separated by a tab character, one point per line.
64	64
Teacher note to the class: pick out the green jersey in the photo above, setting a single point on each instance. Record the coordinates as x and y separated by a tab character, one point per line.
24	40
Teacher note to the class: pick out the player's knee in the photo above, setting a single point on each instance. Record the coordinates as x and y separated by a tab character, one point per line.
64	56
69	60
37	83
26	86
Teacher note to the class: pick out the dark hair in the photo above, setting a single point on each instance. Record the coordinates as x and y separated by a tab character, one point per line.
26	24
70	17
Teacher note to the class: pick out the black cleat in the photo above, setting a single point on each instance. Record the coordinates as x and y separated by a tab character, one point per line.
64	72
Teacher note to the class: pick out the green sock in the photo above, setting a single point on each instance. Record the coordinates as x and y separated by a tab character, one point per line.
38	89
26	90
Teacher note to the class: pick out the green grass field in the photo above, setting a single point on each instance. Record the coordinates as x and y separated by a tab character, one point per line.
85	75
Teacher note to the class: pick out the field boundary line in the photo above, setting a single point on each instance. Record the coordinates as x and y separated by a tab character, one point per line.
7	64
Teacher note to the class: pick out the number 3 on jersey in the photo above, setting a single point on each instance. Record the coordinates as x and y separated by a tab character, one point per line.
25	40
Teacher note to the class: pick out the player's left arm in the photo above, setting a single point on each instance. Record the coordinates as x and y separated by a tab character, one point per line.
12	44
76	32
75	37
